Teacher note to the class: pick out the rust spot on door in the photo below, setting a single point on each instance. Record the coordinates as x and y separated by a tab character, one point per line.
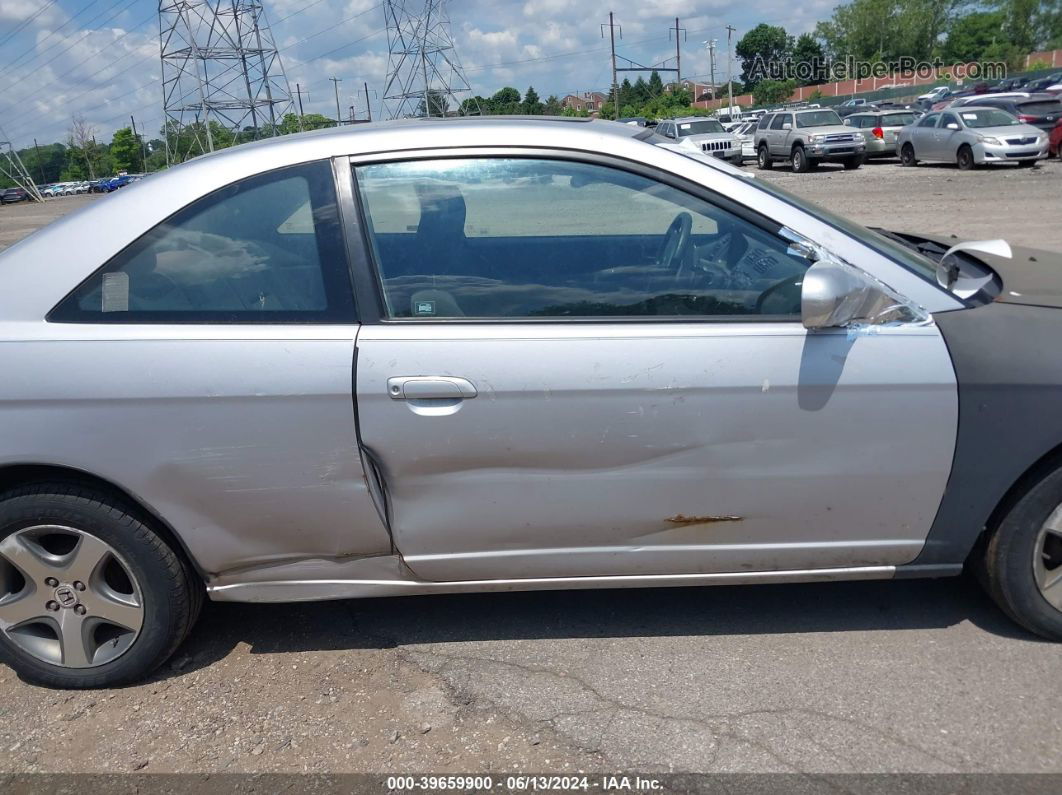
682	519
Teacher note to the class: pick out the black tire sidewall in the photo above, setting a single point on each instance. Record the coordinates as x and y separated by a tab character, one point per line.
763	158
1010	554
799	160
965	152
161	577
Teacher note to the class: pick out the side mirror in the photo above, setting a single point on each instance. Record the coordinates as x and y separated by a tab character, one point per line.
836	295
952	125
787	126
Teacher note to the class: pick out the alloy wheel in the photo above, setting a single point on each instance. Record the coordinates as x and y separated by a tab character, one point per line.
66	597
1047	559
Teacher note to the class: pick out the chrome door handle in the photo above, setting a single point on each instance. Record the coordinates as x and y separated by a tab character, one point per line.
430	387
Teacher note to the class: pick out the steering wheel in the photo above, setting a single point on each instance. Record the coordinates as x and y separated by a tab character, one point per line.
676	241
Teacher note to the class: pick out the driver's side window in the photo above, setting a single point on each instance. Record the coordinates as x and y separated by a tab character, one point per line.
512	238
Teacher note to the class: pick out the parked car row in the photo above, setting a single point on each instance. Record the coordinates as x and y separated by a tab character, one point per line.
1012	127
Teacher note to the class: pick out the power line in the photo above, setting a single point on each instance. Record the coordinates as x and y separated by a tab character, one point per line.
37	45
19	28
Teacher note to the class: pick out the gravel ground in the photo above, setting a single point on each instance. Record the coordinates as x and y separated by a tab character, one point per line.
911	676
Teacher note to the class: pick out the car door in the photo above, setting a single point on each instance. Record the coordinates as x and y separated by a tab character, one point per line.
947	136
558	385
778	135
923	137
213	371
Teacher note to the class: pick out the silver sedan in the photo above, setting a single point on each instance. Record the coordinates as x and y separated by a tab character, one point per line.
487	355
971	136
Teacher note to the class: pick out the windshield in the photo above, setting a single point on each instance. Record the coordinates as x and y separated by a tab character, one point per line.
699	127
975	119
819	118
898	119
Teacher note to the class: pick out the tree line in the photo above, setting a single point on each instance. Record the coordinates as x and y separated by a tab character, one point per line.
870	31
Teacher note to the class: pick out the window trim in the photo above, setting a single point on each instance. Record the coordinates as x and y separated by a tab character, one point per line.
370	299
340	315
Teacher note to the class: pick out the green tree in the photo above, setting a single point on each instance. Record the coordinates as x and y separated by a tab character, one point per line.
971	36
771	92
765	53
656	85
553	106
126	150
532	106
434	103
626	93
809	60
505	102
640	91
873	30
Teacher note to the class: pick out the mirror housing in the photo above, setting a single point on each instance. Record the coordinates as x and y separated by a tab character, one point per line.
787	126
952	125
837	295
966	279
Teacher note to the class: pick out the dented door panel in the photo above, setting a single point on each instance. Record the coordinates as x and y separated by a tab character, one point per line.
653	448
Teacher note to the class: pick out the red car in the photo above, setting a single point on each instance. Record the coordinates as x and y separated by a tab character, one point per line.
1054	143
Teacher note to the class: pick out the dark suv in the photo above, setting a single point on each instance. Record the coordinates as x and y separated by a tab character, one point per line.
1039	110
12	195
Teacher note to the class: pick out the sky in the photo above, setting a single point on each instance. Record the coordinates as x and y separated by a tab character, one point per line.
100	58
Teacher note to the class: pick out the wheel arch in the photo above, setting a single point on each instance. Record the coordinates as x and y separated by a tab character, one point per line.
1044	466
14	476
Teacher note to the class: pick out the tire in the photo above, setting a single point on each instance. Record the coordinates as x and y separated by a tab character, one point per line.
763	158
1009	569
158	595
799	161
852	163
965	158
907	156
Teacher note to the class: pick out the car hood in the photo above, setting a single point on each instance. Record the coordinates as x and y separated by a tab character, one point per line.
1008	131
699	137
1032	277
832	129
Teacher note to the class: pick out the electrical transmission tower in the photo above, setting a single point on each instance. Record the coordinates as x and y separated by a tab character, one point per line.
12	168
221	75
424	75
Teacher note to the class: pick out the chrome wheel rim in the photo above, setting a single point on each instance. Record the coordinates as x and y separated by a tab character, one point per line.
1047	559
66	597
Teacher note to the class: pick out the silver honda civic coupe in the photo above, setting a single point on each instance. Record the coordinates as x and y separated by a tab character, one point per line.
450	355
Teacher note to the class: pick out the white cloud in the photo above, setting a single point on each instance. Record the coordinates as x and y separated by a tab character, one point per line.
554	45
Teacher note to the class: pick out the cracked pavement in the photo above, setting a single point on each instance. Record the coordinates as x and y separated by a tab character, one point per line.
909	676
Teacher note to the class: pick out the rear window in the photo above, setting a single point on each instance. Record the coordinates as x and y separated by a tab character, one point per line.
898	120
1039	108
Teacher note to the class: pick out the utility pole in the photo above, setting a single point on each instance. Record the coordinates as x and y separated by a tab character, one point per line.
678	51
368	107
335	84
729	78
710	46
40	165
351	114
143	152
612	40
298	92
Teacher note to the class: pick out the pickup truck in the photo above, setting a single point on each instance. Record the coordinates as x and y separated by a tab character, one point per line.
806	138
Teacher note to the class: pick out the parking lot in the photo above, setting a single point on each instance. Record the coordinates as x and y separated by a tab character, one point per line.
912	676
